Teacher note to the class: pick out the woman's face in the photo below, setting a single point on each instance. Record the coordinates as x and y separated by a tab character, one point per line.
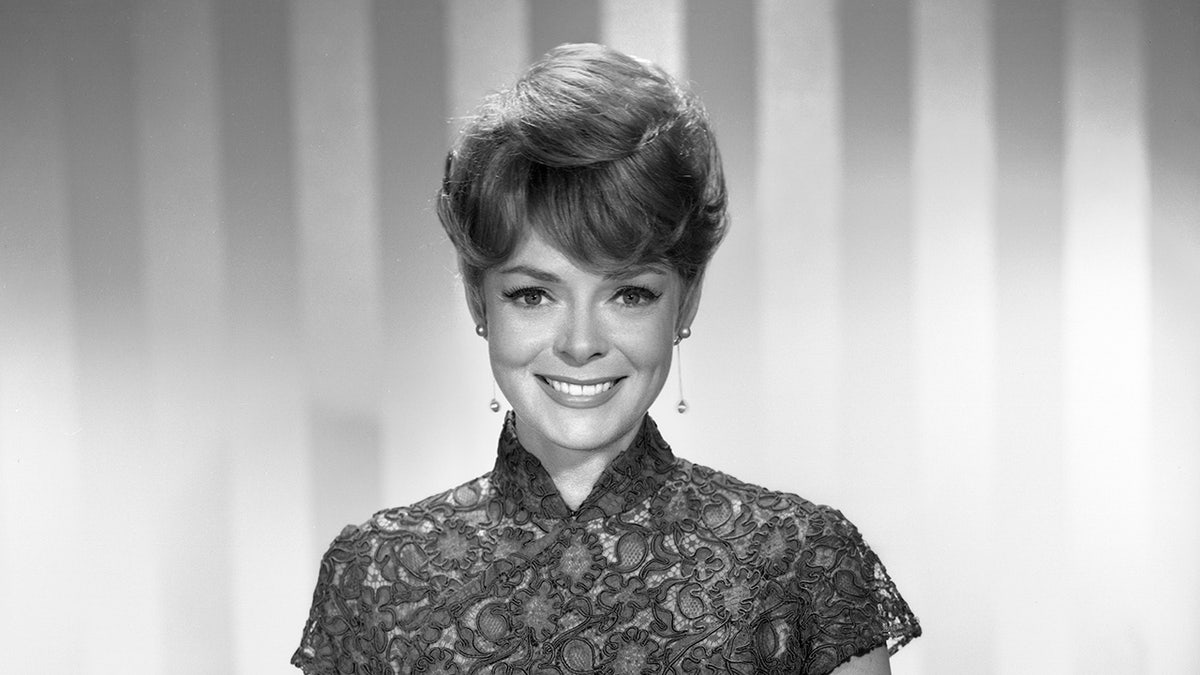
579	355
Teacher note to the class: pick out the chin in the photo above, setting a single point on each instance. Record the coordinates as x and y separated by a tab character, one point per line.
584	430
591	429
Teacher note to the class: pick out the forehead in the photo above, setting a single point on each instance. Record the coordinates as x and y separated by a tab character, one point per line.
533	250
534	256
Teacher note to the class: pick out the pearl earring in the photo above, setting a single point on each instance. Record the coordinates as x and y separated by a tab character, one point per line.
481	330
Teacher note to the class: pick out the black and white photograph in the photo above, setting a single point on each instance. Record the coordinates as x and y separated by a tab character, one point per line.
378	337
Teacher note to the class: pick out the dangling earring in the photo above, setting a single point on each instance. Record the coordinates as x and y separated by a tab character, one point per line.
684	333
494	405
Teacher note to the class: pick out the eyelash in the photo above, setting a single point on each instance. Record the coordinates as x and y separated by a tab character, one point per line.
645	295
516	294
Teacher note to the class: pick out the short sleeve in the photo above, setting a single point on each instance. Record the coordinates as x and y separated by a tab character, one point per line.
330	644
849	604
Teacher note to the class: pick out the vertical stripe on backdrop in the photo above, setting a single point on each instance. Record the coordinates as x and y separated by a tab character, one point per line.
267	426
650	29
424	397
185	312
488	48
799	185
553	22
1028	72
337	218
1172	59
41	446
954	321
1106	285
722	360
106	244
877	408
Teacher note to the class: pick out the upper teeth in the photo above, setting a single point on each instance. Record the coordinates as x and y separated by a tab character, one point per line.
581	389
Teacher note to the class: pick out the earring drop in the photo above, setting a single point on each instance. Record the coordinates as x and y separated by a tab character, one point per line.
494	404
684	333
481	330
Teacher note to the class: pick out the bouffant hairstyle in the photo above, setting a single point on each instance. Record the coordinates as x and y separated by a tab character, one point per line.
604	155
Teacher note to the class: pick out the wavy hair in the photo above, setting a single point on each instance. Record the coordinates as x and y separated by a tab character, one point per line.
603	155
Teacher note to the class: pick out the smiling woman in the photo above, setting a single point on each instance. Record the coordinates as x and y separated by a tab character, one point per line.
585	203
580	354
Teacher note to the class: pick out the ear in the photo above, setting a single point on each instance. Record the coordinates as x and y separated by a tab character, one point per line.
690	304
475	303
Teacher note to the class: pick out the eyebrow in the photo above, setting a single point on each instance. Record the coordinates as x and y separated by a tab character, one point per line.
635	271
549	277
540	275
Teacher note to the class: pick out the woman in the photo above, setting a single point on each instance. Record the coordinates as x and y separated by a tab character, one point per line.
584	204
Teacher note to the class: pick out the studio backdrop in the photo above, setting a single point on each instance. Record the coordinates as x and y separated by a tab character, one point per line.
959	300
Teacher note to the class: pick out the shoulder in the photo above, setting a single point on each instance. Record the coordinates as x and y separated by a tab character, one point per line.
722	494
464	502
776	534
397	543
844	603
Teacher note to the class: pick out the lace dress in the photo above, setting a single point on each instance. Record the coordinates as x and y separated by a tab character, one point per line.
666	567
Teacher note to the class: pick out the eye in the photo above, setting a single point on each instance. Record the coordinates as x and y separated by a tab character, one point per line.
636	296
526	297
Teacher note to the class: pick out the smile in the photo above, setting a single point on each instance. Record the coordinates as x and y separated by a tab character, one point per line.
572	389
579	394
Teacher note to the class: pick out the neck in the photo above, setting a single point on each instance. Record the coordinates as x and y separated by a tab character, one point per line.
574	472
575	476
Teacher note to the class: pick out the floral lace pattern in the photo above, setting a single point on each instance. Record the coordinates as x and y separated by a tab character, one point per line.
666	567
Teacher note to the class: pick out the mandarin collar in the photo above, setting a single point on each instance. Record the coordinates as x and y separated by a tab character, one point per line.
524	485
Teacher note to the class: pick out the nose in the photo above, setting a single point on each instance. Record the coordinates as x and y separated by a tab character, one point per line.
581	338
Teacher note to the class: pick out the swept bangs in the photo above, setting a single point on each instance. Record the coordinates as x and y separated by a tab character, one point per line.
601	155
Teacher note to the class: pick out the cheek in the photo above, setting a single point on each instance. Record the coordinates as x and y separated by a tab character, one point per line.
650	346
514	341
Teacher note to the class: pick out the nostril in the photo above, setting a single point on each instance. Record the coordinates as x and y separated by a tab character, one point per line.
578	349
